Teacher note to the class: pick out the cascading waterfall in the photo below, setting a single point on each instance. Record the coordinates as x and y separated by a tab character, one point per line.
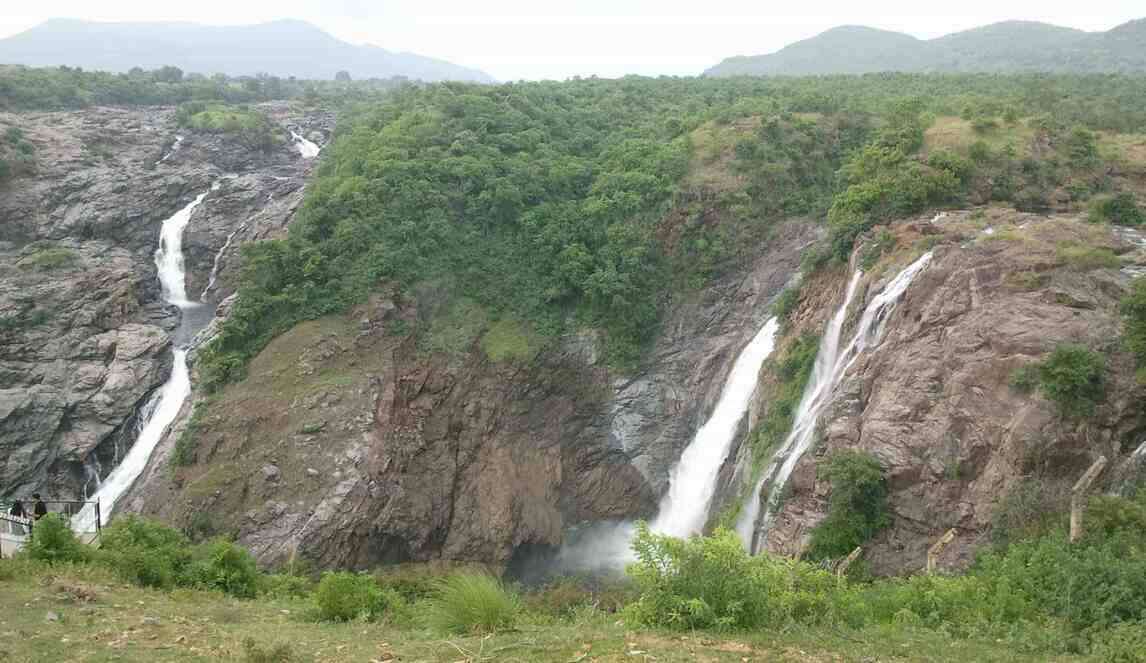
307	149
684	508
218	260
831	365
165	408
174	148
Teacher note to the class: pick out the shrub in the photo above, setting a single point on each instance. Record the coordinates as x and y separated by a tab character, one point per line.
857	508
1084	258
792	369
279	652
53	541
712	582
223	566
144	552
284	586
1133	310
1072	377
471	603
1032	508
49	259
1121	209
1025	379
343	596
1124	643
787	302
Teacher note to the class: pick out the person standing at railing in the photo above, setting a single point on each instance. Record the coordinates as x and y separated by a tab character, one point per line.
39	509
17	509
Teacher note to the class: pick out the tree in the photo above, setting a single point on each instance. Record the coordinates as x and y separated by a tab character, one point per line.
342	76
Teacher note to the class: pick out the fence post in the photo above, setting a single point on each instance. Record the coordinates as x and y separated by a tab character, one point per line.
935	550
1078	497
847	561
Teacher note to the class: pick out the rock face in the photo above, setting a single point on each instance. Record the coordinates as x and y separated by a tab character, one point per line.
932	401
352	445
84	334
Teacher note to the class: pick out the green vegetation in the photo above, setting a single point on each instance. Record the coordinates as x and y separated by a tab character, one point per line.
187	444
1038	598
1084	258
787	302
1134	325
49	259
55	88
793	369
647	187
55	542
1073	377
857	508
510	340
472	603
1121	209
252	128
346	596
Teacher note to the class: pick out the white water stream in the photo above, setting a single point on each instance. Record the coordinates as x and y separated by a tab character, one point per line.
831	365
307	149
684	509
174	392
218	261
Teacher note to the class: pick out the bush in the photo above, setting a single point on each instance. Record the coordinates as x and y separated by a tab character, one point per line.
1032	508
1073	378
792	368
1121	209
279	652
284	586
144	552
787	302
712	582
1084	258
471	603
343	596
53	541
1133	310
857	508
1124	643
223	566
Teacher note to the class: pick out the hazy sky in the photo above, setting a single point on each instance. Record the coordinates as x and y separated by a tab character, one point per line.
512	39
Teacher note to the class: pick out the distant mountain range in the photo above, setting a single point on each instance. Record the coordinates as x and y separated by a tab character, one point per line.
282	48
1012	46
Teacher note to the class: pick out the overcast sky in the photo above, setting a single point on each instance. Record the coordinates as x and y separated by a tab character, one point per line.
514	39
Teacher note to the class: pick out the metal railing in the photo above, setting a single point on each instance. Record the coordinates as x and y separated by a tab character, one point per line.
15	531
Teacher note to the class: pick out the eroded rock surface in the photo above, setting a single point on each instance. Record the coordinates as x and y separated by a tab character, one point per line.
84	334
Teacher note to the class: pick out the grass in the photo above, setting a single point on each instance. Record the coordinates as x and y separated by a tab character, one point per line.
1085	258
49	259
101	620
510	340
472	603
957	135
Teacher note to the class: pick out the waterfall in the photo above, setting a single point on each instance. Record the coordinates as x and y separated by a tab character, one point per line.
684	509
173	150
169	255
307	149
161	411
218	259
831	365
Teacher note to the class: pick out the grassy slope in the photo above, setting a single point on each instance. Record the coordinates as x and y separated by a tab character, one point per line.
102	620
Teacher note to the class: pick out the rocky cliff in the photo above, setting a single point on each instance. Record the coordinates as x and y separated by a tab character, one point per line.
933	401
84	334
353	442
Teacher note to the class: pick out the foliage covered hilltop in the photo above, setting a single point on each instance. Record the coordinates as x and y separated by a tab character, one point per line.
548	204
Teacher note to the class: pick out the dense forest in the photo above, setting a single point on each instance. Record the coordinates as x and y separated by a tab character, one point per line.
59	88
547	204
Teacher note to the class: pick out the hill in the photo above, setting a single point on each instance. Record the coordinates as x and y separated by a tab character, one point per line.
281	48
1011	46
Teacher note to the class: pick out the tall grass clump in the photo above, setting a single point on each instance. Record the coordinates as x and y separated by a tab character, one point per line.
471	603
224	566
